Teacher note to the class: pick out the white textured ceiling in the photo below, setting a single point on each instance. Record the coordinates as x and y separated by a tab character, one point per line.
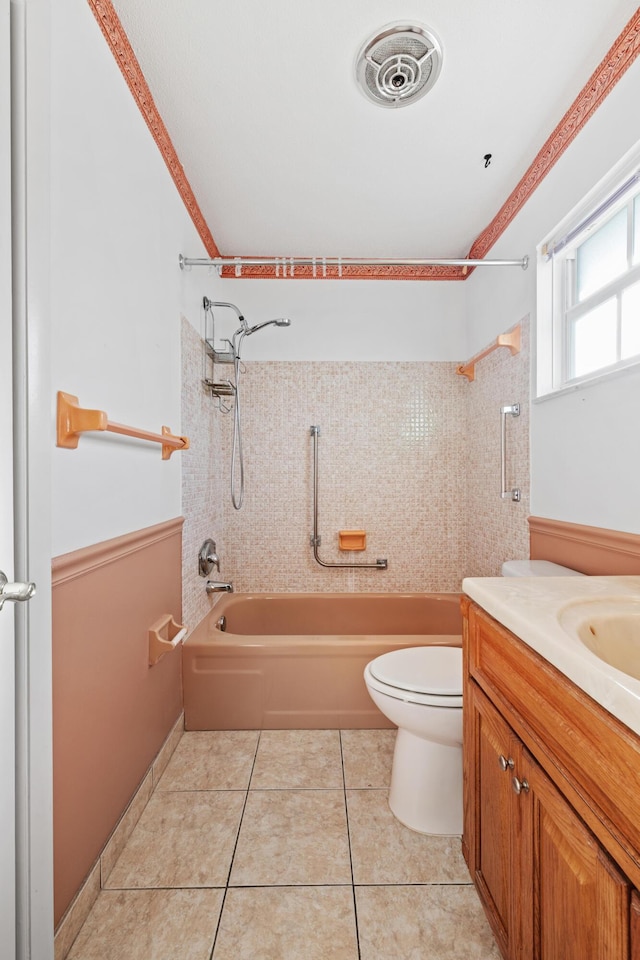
287	157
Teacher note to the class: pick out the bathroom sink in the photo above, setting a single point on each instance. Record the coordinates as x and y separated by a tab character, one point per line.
610	628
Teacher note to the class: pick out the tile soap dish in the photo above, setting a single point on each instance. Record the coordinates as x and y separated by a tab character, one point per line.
164	635
352	539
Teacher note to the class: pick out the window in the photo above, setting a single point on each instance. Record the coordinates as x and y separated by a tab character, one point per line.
589	290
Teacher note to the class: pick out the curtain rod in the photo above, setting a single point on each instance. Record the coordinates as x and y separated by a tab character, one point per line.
287	263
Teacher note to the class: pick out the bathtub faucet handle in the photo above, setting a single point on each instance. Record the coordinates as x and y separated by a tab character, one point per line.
208	558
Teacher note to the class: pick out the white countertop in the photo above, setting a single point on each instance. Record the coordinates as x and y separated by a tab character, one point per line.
529	607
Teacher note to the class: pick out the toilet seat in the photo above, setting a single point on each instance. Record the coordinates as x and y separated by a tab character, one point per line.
431	676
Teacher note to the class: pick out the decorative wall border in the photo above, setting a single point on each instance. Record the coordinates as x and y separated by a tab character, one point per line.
346	272
126	59
616	62
596	551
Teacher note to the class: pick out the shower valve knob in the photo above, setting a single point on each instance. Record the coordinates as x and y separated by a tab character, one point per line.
208	558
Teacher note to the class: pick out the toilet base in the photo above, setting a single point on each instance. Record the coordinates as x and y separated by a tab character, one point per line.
426	785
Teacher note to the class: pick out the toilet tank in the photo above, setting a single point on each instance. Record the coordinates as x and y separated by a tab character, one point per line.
537	568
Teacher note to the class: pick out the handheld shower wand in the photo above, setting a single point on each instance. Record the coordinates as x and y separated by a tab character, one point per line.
245	331
236	450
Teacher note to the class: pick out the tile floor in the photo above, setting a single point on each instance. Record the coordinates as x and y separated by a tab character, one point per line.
280	846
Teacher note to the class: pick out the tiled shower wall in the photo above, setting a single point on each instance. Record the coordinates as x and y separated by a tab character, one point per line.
408	452
201	503
390	462
496	529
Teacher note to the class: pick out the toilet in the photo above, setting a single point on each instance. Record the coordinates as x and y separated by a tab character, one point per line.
420	690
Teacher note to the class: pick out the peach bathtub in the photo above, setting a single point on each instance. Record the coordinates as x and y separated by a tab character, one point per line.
295	661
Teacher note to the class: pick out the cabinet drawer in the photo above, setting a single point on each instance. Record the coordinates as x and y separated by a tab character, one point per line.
597	756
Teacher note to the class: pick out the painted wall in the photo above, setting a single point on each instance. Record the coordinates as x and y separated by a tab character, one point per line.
118	226
583	464
111	710
342	320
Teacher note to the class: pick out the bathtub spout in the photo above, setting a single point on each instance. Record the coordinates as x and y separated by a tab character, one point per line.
214	587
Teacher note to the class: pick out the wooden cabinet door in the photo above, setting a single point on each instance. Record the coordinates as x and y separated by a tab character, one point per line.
493	821
634	947
573	902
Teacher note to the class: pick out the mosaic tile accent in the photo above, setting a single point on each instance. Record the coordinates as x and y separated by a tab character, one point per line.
390	462
408	452
497	530
201	472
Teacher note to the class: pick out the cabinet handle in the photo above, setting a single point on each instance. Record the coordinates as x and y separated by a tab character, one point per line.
520	786
506	764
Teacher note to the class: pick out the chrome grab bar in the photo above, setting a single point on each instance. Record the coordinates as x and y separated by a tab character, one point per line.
512	410
380	564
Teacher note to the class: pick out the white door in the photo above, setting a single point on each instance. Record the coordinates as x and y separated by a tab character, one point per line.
7	662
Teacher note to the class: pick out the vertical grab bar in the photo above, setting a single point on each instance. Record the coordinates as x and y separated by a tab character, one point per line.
380	564
512	410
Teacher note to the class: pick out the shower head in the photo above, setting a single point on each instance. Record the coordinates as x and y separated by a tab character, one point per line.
245	331
280	322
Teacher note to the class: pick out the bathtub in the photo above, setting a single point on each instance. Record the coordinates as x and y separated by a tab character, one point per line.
295	661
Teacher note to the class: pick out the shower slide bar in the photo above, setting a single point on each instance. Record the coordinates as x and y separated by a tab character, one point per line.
320	264
380	564
512	410
72	420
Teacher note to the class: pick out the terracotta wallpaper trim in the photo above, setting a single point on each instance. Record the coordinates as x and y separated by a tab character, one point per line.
126	59
69	566
617	61
352	273
596	551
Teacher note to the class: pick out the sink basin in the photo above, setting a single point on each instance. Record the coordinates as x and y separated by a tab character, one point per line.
610	628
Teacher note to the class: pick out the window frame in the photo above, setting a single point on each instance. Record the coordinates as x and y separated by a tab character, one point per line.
558	306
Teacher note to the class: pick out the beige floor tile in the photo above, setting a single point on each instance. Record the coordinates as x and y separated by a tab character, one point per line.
384	851
150	925
167	749
419	922
118	839
367	757
292	837
77	914
211	760
288	923
298	759
181	840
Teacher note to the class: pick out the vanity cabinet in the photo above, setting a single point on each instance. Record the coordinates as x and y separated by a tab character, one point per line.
547	835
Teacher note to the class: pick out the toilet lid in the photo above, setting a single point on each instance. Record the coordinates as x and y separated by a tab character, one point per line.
436	670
